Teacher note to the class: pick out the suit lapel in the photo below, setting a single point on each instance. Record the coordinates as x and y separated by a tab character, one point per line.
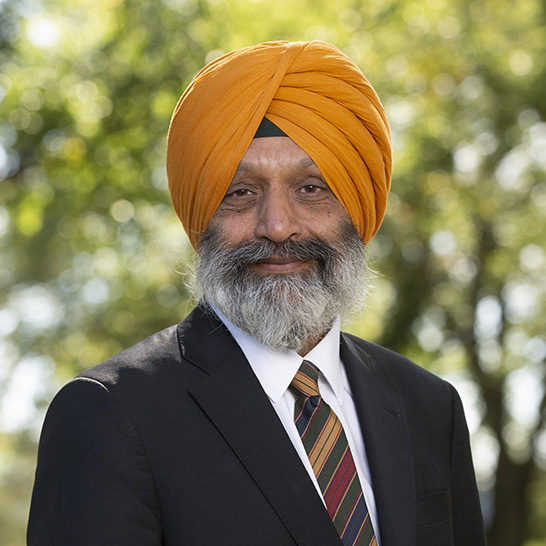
235	402
386	435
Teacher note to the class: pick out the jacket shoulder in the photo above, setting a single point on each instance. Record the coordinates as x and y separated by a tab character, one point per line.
160	350
397	370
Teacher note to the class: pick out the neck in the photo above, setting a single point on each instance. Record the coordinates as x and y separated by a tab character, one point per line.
311	344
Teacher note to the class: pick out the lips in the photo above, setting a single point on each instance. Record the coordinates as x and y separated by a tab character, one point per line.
277	264
278	260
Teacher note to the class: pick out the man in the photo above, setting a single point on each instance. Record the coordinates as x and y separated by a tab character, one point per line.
255	421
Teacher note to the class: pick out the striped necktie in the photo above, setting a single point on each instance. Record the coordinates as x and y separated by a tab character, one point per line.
330	457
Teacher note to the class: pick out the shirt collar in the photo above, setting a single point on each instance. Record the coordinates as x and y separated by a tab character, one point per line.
275	370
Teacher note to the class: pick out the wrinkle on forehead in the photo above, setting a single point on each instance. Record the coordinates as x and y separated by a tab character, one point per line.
275	150
304	163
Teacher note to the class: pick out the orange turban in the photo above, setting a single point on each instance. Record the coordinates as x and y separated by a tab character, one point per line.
312	92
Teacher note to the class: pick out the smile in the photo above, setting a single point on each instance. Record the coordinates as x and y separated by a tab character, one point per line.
279	265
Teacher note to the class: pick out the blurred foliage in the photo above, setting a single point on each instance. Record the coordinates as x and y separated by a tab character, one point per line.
91	251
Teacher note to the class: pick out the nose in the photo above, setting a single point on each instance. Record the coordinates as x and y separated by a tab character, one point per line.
277	218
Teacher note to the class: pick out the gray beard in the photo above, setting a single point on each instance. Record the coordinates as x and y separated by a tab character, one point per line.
286	311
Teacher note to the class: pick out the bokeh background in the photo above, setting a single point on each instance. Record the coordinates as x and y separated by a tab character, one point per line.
92	257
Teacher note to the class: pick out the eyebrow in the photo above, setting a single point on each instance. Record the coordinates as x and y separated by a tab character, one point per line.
307	162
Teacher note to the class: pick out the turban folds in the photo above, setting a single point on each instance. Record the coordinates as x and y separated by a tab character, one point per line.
314	93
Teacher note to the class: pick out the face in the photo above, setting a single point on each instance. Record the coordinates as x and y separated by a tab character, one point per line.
278	194
280	258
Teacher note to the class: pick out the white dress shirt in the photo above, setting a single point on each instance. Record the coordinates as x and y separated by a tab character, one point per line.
275	372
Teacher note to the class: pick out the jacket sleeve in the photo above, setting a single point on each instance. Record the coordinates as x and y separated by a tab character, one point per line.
468	525
93	484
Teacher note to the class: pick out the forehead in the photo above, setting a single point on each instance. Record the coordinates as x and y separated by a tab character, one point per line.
274	152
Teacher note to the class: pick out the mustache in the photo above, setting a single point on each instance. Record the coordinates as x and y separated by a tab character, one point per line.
309	249
234	260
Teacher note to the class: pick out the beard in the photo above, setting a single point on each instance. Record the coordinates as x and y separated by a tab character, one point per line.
283	311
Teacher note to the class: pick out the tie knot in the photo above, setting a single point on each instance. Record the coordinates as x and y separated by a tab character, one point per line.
305	382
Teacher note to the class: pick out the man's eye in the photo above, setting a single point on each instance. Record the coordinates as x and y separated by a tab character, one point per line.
239	193
311	188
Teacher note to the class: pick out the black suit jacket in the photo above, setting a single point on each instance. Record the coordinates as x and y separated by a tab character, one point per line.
174	442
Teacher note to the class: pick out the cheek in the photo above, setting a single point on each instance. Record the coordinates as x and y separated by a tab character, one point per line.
233	228
325	220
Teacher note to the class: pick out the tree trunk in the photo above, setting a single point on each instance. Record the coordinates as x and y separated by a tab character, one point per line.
511	508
